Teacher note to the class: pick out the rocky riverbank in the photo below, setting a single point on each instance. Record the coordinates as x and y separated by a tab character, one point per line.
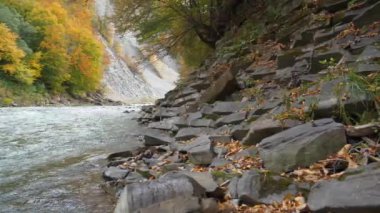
288	124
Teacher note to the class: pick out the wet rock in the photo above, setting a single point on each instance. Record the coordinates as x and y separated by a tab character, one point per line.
118	155
234	118
302	145
200	150
115	173
141	195
190	133
133	177
156	138
266	127
226	108
255	188
357	191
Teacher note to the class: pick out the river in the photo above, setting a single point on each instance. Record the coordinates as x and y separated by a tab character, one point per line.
51	157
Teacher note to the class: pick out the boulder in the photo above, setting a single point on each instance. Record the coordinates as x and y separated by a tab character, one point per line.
357	191
231	119
156	138
141	195
266	127
204	179
200	150
115	173
190	133
255	188
302	145
220	88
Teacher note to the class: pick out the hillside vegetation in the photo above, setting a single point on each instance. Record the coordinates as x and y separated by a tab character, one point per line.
48	47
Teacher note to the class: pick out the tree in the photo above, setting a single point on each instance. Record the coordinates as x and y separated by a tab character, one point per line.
13	61
208	19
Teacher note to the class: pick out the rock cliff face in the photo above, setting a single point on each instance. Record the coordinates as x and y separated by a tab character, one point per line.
271	121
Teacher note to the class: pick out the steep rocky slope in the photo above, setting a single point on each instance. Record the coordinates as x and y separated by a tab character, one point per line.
287	123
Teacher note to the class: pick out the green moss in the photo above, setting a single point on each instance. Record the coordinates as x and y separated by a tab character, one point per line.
213	117
223	175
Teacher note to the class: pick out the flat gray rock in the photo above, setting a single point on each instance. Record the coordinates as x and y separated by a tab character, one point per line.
115	173
156	138
226	108
190	133
302	145
234	118
357	191
266	127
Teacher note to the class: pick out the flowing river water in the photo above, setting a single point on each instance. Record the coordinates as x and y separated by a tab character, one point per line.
51	158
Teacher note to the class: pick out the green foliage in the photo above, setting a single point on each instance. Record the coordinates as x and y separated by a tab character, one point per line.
188	29
7	101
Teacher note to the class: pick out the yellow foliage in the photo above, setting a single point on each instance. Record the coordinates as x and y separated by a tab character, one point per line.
10	55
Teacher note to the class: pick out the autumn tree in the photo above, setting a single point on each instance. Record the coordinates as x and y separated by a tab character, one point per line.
52	41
